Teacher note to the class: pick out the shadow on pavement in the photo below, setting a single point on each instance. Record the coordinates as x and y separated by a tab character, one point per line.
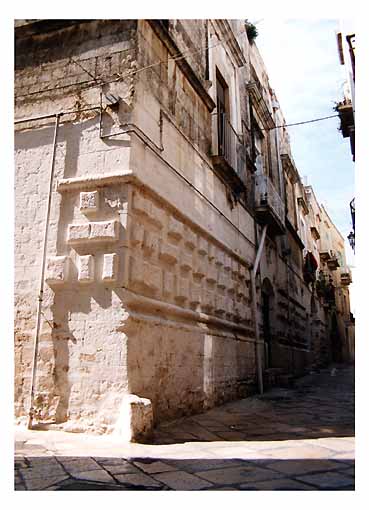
102	473
318	406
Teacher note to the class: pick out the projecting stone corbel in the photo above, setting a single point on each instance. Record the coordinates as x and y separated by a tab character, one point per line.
57	270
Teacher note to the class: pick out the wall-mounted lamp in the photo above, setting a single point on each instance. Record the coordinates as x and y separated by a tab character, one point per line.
351	238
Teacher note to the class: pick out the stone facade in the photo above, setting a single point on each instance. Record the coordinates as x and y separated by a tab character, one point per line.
166	168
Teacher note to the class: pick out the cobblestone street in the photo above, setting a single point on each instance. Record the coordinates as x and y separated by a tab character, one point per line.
300	438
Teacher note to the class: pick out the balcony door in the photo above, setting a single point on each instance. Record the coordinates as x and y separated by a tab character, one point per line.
223	112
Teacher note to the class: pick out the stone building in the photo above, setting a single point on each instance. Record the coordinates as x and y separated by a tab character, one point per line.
162	227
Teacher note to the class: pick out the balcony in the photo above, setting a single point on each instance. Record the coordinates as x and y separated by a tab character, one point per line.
332	261
324	249
269	207
327	255
346	277
229	155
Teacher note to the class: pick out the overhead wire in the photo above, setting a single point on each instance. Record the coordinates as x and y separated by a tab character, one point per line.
300	123
174	58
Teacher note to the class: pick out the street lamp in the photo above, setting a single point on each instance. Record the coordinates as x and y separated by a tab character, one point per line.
351	238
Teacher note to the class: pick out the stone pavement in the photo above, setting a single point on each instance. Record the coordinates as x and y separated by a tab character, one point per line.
300	438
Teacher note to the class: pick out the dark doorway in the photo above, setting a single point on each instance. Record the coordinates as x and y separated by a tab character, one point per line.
336	341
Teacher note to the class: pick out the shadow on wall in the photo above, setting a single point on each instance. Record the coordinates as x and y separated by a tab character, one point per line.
183	367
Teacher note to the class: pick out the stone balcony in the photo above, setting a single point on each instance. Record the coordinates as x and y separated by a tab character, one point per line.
269	207
228	155
328	255
332	261
345	275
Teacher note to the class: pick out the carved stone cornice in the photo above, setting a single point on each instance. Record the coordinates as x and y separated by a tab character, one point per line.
227	33
290	168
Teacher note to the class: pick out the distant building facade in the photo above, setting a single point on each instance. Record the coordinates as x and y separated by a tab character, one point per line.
182	253
346	44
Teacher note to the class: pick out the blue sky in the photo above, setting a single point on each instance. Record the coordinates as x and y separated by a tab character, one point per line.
303	67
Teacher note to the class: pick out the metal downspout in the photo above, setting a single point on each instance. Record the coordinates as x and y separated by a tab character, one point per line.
40	296
255	309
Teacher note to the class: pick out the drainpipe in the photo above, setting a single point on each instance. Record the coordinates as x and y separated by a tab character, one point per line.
255	309
40	296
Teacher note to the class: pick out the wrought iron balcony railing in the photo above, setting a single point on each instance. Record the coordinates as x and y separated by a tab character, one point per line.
269	206
229	154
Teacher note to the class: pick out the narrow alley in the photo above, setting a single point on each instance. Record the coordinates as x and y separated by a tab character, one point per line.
299	438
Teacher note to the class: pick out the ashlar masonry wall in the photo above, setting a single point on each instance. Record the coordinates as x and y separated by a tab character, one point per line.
146	285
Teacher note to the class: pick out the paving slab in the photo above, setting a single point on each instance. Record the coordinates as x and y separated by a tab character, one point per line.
285	484
304	466
182	481
154	466
300	438
237	475
328	481
139	480
36	484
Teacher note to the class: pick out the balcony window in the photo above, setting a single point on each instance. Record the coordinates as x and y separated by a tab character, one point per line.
269	206
229	153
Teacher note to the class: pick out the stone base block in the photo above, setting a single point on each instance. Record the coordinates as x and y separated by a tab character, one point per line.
135	422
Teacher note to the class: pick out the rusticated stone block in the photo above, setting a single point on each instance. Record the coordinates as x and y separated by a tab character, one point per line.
175	228
57	270
234	267
152	276
212	274
110	267
200	267
145	274
86	268
242	271
231	288
220	305
222	279
195	294
157	215
208	300
190	238
182	288
202	247
168	283
137	234
220	258
236	311
140	205
227	262
151	242
241	290
211	252
89	201
78	233
104	231
168	253
186	261
229	305
135	422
